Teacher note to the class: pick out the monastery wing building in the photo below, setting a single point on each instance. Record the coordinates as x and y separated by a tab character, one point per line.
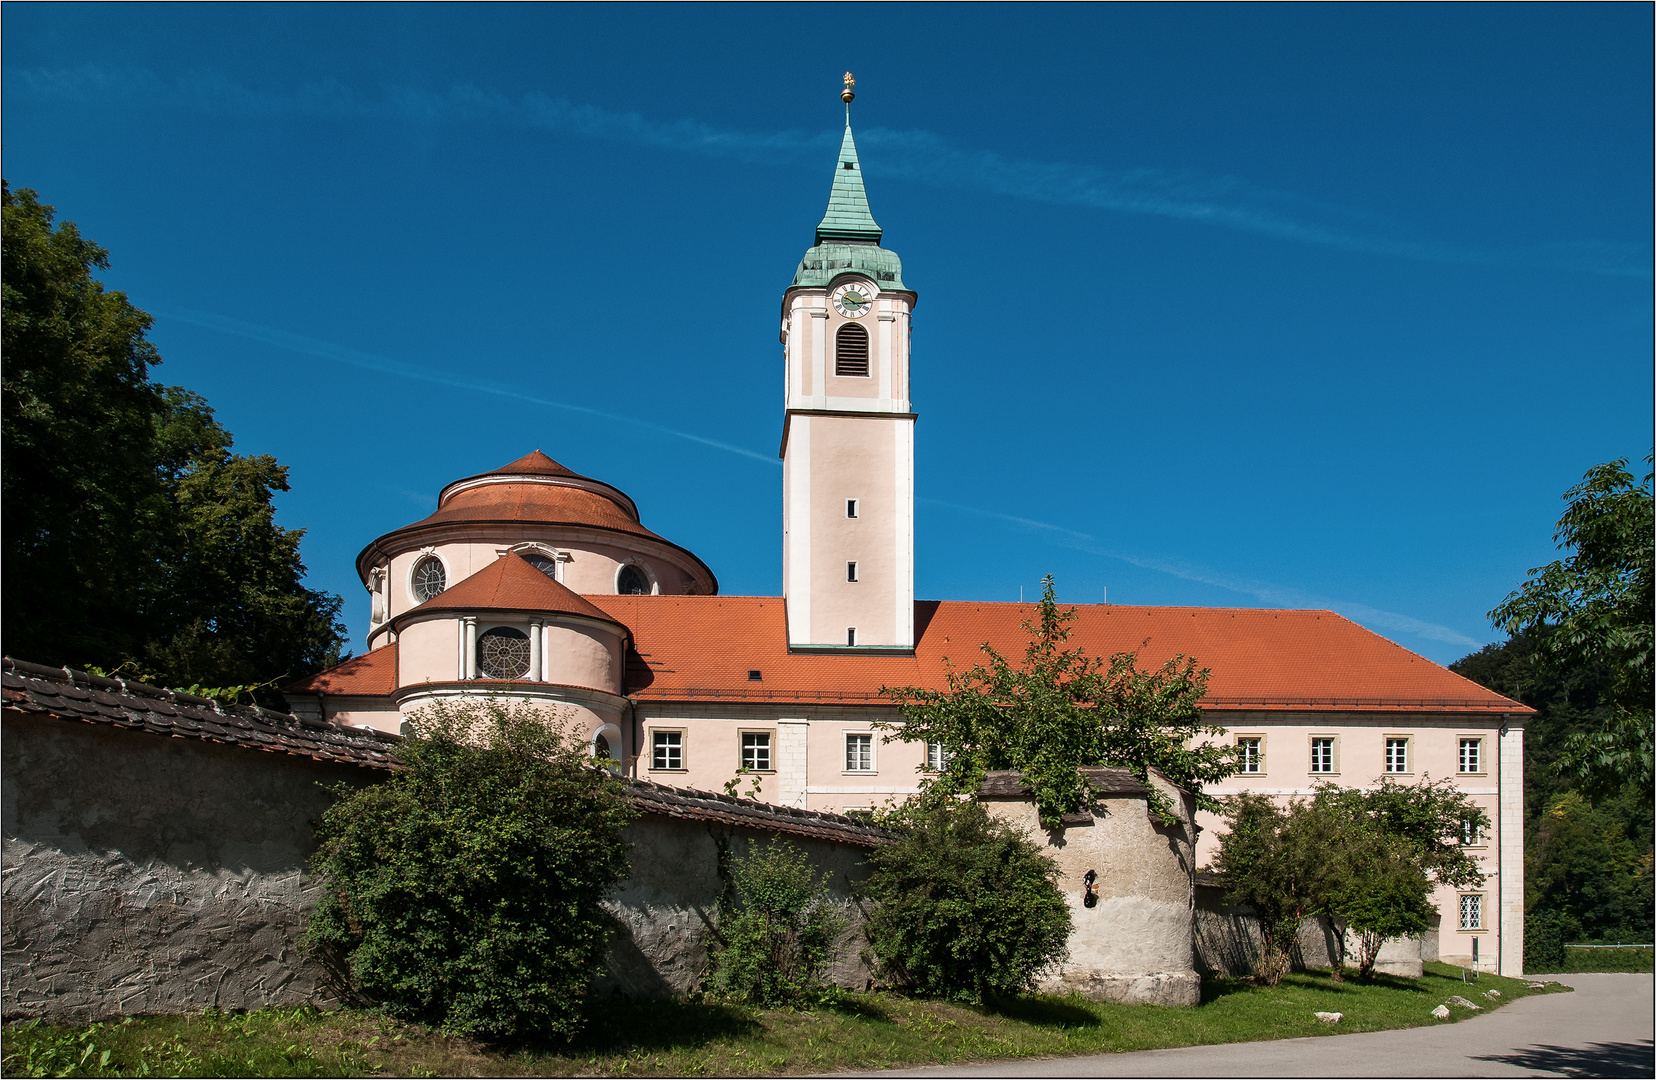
541	584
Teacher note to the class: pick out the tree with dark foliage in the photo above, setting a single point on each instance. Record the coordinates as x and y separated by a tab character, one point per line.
134	538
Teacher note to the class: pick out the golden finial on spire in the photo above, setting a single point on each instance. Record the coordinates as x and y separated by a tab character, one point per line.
848	93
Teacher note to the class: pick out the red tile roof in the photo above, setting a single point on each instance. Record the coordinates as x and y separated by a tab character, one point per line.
691	648
530	500
373	673
510	583
695	647
535	463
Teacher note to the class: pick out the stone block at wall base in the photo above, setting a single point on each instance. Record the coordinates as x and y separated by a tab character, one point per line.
1157	988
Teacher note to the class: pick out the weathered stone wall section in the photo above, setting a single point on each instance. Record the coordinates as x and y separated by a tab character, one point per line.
152	874
669	905
1134	944
1228	942
148	874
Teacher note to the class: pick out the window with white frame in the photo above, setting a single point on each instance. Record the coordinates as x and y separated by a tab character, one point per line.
1471	833
1471	911
1322	754
756	751
667	750
859	753
1471	755
1250	754
936	756
1397	754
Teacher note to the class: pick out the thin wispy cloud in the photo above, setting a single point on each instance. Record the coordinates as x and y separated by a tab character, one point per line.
917	156
327	350
1070	538
1265	592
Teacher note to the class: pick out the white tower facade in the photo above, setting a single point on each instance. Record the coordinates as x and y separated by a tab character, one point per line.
848	434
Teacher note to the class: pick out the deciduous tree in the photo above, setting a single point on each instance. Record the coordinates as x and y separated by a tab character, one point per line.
135	539
1062	709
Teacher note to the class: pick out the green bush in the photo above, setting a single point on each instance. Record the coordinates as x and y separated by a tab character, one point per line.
778	928
964	906
464	891
1612	959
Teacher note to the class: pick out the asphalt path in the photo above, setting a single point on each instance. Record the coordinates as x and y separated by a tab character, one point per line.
1603	1029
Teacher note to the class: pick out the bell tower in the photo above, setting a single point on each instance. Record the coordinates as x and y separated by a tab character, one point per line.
848	431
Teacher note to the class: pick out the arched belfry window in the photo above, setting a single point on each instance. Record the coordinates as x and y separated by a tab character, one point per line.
429	578
503	653
851	350
632	582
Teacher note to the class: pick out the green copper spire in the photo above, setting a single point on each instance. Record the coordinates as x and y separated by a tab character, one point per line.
848	220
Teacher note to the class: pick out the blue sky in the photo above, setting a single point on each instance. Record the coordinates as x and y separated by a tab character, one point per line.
1297	306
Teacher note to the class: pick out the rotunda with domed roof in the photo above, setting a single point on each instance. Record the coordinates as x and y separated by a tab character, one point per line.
487	593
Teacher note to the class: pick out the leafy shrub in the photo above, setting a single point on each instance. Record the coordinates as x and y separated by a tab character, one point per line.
464	891
964	905
777	929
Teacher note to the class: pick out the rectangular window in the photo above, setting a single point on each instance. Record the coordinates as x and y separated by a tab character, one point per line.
1322	754
1471	755
1471	911
859	753
667	750
1471	835
850	571
1248	753
850	635
756	750
850	508
936	756
1397	755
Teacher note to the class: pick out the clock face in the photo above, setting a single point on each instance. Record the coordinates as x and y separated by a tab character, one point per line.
853	300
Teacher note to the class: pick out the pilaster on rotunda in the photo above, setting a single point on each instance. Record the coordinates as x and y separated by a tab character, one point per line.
578	532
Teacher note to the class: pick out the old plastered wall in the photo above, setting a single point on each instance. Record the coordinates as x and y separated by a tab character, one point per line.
153	874
1134	944
148	874
1228	942
667	907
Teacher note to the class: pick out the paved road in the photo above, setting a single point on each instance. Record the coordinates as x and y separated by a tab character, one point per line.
1603	1029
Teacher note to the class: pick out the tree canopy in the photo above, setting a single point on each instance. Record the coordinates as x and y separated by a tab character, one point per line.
1059	711
1592	612
134	537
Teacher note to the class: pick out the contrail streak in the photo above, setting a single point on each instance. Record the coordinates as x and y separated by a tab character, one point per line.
385	365
920	157
1264	591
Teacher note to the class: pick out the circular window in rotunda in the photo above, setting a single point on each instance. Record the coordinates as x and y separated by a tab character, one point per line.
429	578
632	582
503	653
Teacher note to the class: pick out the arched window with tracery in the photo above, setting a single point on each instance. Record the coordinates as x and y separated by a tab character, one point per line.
503	653
851	350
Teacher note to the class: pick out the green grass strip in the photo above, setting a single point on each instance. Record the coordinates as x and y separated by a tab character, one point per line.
697	1038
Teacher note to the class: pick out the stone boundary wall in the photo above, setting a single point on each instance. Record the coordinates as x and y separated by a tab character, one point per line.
154	867
1228	941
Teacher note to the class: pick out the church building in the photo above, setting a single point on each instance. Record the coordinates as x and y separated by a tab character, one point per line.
541	584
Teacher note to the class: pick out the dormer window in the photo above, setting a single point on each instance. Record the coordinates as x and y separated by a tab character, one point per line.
851	351
428	578
547	566
632	582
